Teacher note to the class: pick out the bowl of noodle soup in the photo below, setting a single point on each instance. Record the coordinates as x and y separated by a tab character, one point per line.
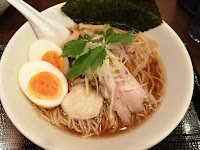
169	73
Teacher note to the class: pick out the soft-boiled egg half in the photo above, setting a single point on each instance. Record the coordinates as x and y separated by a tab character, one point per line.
50	52
43	83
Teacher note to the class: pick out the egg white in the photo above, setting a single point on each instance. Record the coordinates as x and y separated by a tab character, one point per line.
40	47
30	69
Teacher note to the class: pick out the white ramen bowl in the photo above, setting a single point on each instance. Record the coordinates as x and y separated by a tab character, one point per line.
179	88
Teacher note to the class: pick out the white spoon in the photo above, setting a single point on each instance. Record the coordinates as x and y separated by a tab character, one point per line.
44	27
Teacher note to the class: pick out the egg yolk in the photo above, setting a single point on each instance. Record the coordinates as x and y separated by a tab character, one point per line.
53	58
45	85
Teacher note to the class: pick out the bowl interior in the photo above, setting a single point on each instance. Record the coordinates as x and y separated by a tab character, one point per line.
177	98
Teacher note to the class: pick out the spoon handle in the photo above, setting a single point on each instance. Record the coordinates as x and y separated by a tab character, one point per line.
44	27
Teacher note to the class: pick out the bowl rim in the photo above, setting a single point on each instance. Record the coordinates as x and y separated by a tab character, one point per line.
154	142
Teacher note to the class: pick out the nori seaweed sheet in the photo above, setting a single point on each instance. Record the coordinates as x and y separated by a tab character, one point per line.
141	15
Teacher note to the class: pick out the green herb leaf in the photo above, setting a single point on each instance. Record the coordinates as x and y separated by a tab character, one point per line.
98	32
93	59
109	32
73	48
86	36
125	38
98	61
108	35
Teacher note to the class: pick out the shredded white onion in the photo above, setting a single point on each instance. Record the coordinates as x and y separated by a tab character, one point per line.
78	80
86	85
110	71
